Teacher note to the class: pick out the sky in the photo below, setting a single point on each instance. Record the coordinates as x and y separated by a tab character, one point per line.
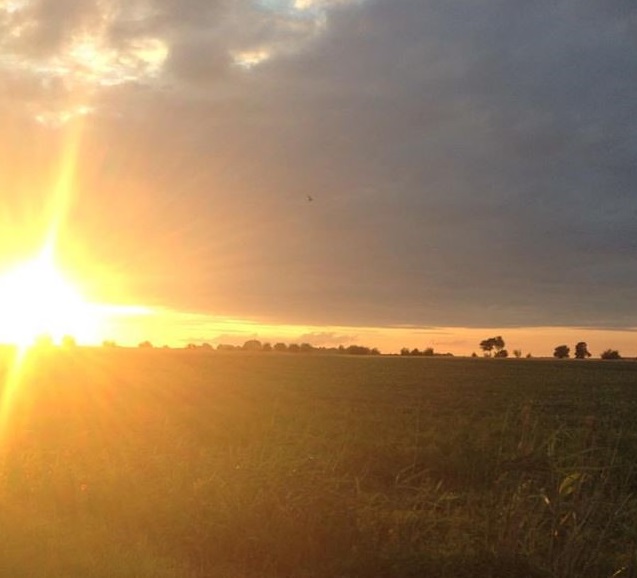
392	172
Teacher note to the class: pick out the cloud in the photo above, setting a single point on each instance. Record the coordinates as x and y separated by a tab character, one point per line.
82	47
67	47
326	338
470	164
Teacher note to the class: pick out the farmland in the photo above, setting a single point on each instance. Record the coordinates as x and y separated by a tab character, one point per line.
176	464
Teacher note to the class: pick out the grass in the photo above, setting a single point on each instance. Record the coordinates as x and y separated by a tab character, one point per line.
183	464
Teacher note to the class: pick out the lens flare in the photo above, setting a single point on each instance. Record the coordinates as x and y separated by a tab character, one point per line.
36	299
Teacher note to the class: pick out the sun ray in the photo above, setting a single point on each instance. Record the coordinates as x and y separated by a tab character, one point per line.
34	296
64	187
10	387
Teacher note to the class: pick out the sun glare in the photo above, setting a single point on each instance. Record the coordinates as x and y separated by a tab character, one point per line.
36	299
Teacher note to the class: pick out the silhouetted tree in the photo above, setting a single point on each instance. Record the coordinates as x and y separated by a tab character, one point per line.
226	347
517	353
294	348
252	345
306	348
428	352
491	344
404	351
358	350
562	351
581	350
145	345
611	354
267	347
280	347
502	353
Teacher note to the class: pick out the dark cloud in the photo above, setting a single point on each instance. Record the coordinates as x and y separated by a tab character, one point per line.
470	164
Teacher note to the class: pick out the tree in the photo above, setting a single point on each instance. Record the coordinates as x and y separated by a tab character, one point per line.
581	350
145	345
280	347
252	345
357	350
493	343
68	341
517	353
562	351
611	354
501	353
428	352
226	347
405	351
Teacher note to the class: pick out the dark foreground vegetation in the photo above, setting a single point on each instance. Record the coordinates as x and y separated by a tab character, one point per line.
151	463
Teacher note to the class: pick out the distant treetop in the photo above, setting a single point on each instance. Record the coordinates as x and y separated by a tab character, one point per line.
581	350
494	344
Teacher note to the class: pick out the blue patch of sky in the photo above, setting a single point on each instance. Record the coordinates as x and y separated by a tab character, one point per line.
289	8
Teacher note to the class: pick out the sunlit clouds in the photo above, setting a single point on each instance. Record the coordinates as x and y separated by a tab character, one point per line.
70	62
250	58
293	25
70	51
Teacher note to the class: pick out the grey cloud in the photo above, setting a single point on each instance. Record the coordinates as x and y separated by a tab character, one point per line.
470	164
518	143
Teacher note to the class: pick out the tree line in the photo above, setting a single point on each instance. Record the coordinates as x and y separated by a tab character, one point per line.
427	352
495	347
491	347
254	345
582	352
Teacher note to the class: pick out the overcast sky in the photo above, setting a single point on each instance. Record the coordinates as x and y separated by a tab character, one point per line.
470	163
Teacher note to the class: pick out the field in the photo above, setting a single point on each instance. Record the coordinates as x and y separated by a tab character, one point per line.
176	464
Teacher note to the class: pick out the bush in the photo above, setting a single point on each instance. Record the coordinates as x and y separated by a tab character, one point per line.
610	354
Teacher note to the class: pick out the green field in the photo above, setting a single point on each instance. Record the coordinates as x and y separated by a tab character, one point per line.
160	463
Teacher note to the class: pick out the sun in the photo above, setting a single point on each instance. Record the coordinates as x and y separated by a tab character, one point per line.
37	299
